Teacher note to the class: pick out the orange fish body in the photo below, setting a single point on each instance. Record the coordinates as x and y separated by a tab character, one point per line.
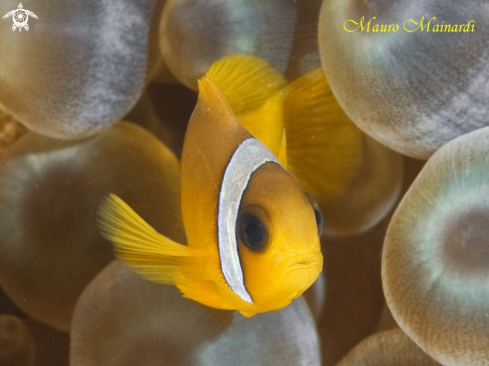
271	195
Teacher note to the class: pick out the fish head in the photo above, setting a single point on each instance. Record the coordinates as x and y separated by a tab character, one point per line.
278	238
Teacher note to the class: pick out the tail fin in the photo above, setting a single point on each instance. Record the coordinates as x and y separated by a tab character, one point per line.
148	253
324	148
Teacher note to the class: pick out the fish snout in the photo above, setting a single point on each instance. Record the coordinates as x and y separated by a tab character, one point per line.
302	271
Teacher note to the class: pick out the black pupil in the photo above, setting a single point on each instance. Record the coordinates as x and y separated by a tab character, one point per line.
253	232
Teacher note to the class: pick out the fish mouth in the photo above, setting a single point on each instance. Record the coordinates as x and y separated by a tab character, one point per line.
302	272
314	259
306	264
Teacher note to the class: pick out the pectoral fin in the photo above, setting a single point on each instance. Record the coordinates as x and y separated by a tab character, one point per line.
147	252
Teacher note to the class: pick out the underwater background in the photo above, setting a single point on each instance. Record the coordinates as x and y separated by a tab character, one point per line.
385	130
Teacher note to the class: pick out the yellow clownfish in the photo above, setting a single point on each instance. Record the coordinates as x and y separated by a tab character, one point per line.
253	240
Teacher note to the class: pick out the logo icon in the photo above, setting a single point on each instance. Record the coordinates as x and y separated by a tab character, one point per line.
20	17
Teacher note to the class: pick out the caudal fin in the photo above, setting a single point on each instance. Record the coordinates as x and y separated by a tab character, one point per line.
324	147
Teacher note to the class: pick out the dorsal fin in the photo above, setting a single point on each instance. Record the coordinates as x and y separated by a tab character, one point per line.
212	136
252	87
324	148
148	253
266	123
246	82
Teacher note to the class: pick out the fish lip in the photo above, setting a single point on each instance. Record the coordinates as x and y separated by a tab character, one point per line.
312	259
299	262
302	265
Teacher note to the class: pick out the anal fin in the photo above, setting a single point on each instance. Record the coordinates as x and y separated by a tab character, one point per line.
204	292
247	314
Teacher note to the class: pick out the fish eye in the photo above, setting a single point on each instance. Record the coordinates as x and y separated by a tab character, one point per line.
317	213
252	232
319	218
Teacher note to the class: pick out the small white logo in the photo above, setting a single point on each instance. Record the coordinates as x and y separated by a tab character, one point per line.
20	17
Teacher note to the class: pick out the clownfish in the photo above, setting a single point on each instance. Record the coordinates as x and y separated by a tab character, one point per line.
252	233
